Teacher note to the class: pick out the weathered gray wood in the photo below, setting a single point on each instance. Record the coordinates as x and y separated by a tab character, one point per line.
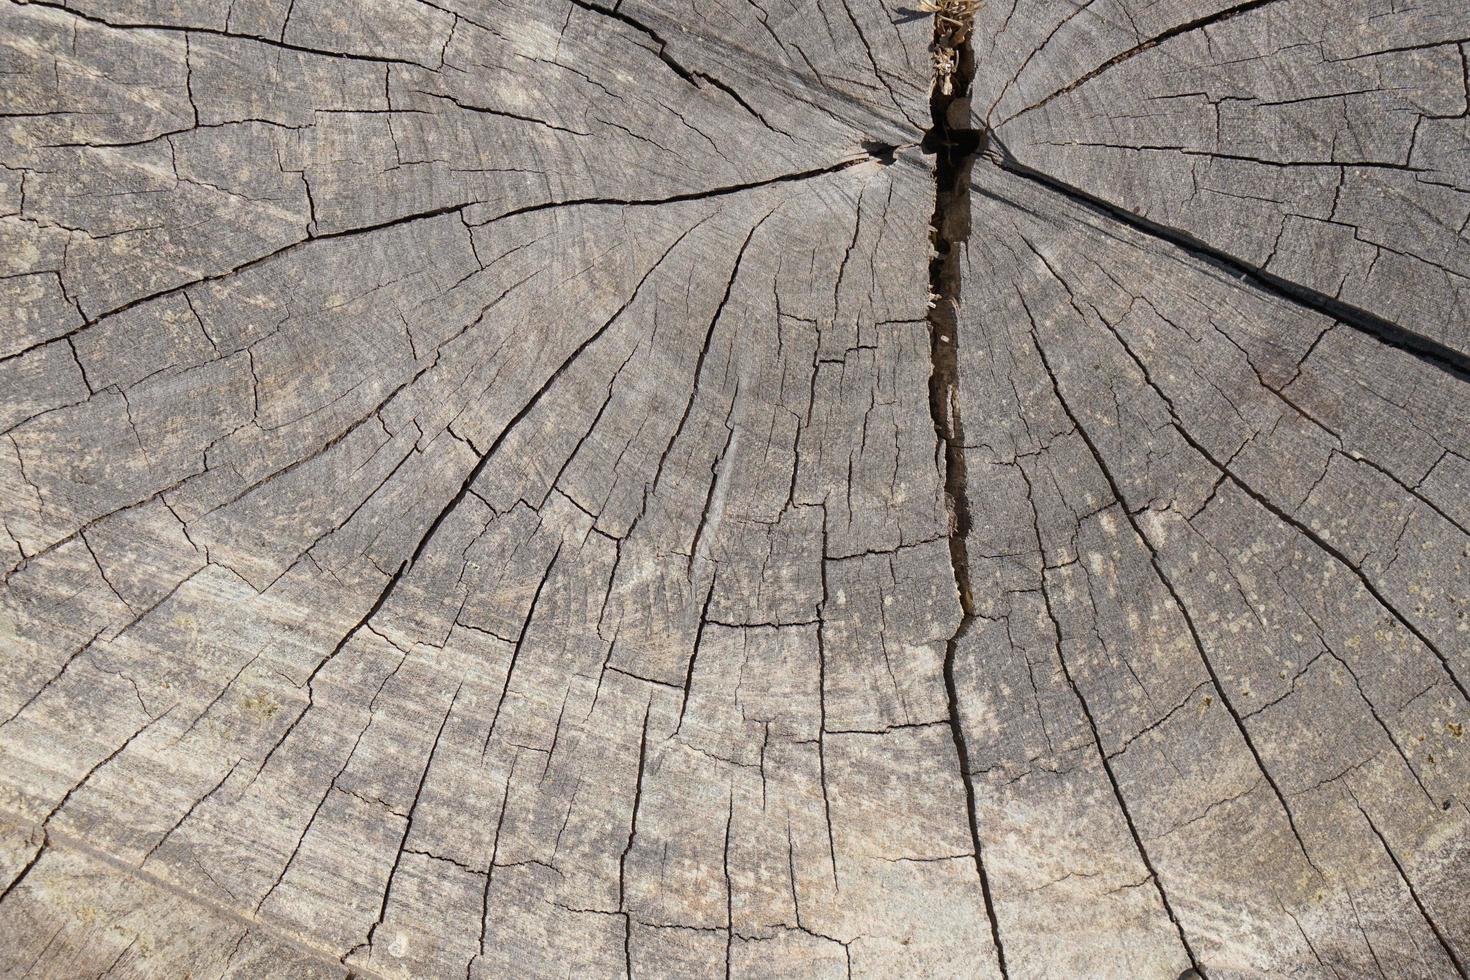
1324	142
488	491
1226	608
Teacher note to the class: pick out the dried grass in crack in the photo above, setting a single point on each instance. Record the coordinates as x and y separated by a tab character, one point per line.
953	21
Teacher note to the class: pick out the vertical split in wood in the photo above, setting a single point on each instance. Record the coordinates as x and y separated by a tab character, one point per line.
955	147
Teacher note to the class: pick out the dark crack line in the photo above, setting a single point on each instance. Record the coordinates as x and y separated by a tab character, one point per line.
408	822
407	564
950	229
1413	892
1107	767
1218	17
515	652
1165	579
882	152
1432	352
1226	473
175	29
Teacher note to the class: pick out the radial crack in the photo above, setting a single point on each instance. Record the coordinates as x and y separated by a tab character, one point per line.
955	152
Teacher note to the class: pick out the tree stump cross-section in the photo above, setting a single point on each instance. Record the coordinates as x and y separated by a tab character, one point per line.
806	489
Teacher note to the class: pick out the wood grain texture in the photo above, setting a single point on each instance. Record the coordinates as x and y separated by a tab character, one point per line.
499	489
1222	634
1324	143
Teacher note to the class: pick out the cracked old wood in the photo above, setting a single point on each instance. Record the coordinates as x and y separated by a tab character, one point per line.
502	489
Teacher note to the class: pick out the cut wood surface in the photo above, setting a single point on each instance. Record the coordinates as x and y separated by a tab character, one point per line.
508	489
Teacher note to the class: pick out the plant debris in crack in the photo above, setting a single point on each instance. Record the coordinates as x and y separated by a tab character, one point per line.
953	21
955	148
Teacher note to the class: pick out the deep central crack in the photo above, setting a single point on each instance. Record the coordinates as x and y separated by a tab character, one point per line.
955	147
